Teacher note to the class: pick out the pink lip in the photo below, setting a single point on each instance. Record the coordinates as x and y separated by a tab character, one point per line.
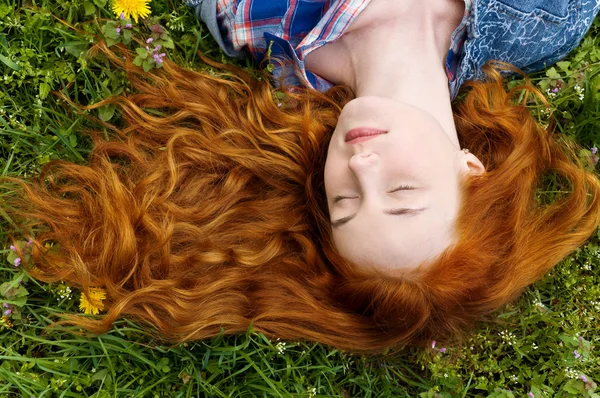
361	134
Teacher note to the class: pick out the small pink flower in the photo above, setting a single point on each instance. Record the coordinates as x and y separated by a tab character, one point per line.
157	47
128	26
7	312
594	150
576	354
13	248
442	350
118	31
5	305
17	261
555	90
157	29
122	16
594	157
433	344
150	40
29	242
583	378
147	48
530	394
158	58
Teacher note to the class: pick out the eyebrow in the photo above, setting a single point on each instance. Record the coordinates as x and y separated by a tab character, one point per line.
393	212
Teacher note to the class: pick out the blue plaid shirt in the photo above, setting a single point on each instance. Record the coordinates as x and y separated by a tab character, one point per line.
529	34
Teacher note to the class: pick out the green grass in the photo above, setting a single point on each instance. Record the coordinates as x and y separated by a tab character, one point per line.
541	344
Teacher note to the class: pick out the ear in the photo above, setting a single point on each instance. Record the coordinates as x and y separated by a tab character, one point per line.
471	165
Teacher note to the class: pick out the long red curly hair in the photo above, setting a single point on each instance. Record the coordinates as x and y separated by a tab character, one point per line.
209	213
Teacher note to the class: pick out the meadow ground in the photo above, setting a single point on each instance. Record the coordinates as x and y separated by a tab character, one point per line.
544	345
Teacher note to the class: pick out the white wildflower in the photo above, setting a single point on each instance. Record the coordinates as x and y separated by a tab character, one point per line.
580	92
571	373
508	337
280	347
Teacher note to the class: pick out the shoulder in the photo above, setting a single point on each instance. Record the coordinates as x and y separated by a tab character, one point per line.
556	15
529	34
526	31
552	10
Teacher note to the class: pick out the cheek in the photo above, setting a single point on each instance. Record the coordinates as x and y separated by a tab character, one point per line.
404	163
333	173
327	176
419	160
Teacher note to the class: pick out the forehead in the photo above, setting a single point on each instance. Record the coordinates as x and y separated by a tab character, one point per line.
390	242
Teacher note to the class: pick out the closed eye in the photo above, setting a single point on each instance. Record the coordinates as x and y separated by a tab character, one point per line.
394	212
402	188
340	198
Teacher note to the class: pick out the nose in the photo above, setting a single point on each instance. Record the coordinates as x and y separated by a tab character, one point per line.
363	162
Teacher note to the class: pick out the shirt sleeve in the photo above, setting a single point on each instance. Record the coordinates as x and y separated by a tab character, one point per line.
206	11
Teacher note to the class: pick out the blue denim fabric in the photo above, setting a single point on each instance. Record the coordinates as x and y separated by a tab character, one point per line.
529	34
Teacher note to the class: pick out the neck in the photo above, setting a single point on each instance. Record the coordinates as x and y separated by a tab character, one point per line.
401	58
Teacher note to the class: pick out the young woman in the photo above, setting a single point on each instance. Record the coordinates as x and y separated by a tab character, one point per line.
391	206
369	216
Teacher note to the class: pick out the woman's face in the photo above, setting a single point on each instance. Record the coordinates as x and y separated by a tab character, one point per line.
393	196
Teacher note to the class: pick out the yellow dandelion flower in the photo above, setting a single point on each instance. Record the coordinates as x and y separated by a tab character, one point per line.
5	323
131	8
92	302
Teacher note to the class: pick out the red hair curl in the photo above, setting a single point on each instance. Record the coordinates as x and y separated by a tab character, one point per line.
213	216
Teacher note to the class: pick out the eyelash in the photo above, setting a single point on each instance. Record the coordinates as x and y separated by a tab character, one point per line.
399	188
402	188
340	198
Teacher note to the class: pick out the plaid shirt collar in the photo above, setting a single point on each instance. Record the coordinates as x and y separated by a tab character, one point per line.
283	32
